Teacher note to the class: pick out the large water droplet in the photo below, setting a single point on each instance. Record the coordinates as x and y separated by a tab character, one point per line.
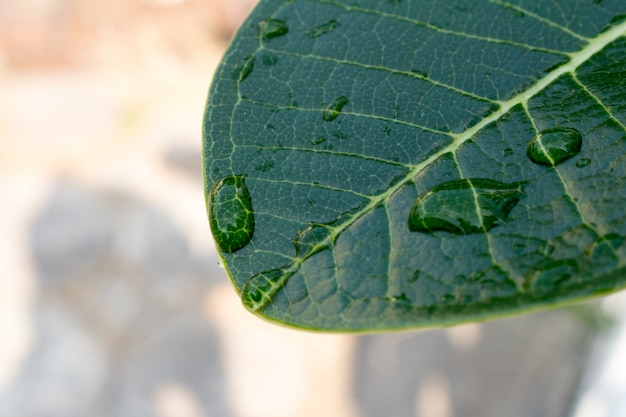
333	110
465	206
272	28
230	213
552	146
260	290
322	29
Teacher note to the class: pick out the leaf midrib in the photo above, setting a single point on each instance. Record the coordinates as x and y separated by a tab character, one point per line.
577	59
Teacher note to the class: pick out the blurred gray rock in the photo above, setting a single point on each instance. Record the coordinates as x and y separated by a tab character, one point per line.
118	315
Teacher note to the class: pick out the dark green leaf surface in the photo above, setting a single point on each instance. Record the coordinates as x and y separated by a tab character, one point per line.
410	163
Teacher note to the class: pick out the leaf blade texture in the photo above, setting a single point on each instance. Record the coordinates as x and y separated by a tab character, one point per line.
415	163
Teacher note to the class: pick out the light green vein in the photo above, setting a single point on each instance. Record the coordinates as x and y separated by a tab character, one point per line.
305	184
330	152
599	101
541	19
577	59
566	187
343	112
439	29
384	69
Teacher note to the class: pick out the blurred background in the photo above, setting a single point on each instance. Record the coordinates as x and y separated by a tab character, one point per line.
112	303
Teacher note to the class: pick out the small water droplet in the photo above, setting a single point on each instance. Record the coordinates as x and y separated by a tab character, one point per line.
339	135
546	249
322	29
507	152
465	206
447	298
260	290
230	213
419	73
583	162
265	165
318	141
333	110
269	60
272	28
460	280
552	146
244	69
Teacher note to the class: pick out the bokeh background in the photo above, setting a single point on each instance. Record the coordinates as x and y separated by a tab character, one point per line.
112	302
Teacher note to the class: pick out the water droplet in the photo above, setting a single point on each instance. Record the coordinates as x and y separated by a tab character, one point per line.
265	165
583	162
546	249
230	213
260	290
244	69
333	110
465	206
447	298
507	152
322	29
339	135
311	240
552	146
318	141
269	60
419	73
272	28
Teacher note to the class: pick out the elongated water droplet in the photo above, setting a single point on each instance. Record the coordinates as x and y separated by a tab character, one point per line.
260	290
419	73
322	29
311	240
318	141
230	214
333	110
272	28
552	146
465	206
583	162
244	69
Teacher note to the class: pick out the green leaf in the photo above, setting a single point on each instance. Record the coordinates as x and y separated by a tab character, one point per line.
407	163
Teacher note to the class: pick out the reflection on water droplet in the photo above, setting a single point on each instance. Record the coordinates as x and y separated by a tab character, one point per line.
465	206
244	69
230	214
552	146
272	28
322	29
583	162
333	110
261	288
